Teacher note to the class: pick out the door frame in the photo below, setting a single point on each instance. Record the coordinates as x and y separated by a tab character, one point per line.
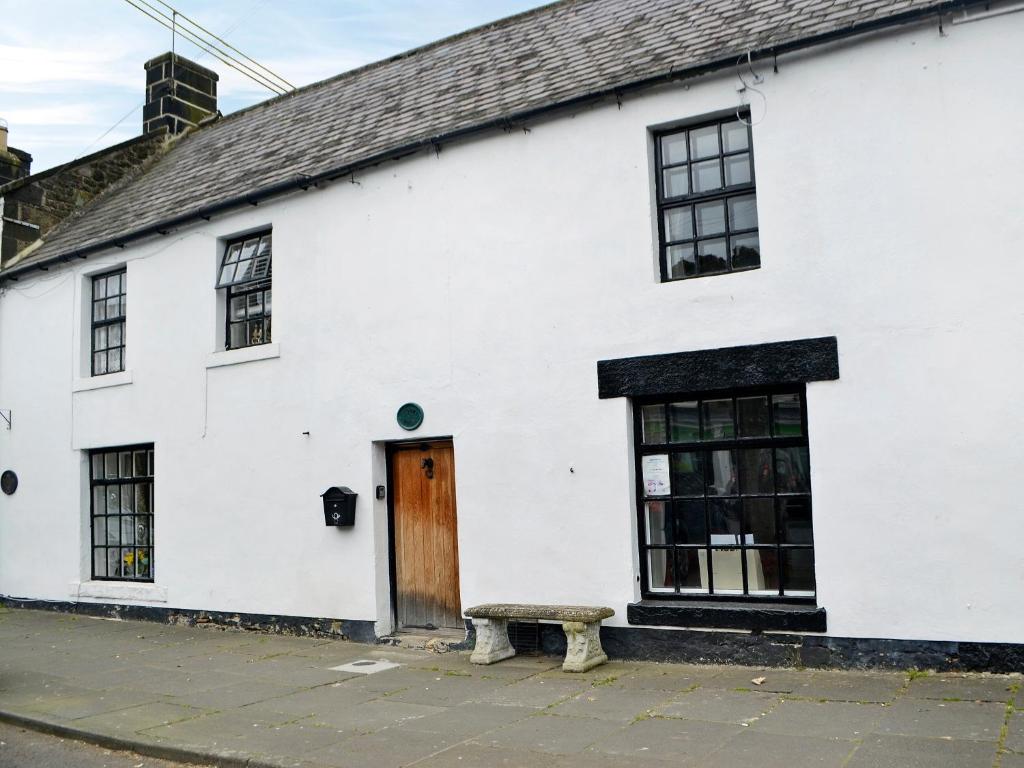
389	450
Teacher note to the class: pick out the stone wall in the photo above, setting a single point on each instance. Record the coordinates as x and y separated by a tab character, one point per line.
32	206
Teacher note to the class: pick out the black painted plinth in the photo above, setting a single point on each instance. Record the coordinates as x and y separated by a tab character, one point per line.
761	617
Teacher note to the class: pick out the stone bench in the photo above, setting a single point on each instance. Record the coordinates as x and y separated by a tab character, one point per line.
581	623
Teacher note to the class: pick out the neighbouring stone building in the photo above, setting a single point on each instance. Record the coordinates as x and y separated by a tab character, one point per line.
671	307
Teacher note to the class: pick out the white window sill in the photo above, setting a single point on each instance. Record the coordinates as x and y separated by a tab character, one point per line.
102	381
119	590
243	355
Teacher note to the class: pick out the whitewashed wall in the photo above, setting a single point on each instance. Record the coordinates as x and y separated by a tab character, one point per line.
485	282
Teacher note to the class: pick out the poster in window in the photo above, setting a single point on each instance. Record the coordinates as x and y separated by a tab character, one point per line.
655	472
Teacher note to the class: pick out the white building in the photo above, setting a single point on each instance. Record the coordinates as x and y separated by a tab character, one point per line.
635	366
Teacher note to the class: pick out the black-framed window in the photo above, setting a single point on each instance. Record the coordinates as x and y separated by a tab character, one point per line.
707	207
724	496
246	272
109	309
121	513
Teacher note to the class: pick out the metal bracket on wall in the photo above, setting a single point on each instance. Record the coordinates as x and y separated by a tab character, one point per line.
6	416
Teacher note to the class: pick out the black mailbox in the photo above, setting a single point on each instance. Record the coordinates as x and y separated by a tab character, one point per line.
339	506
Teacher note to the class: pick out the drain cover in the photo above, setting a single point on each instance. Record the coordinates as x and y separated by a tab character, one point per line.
366	666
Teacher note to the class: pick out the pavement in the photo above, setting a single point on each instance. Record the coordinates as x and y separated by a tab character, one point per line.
23	748
235	698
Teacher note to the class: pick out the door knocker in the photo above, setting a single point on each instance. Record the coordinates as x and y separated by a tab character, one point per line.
428	465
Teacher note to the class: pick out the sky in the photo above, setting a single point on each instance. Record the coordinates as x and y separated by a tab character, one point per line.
71	69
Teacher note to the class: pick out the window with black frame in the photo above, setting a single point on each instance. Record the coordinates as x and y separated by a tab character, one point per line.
121	492
707	207
245	274
724	496
109	308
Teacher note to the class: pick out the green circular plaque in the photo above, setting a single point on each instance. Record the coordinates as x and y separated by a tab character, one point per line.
410	416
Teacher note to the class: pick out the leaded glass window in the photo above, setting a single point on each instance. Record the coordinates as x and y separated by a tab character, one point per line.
246	272
724	493
107	325
707	208
121	504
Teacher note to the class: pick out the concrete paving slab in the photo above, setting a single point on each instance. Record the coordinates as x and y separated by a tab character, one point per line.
125	722
235	695
875	687
679	741
776	750
605	702
824	720
954	687
447	690
943	720
1012	760
478	756
911	752
547	733
719	706
1015	729
467	720
373	715
534	692
792	681
86	703
381	749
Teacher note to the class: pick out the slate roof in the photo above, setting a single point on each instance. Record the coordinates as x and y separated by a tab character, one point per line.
556	54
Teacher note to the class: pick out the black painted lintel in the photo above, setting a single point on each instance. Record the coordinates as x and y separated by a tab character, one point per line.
760	617
706	370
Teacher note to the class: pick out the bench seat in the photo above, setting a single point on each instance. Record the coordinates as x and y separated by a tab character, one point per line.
581	624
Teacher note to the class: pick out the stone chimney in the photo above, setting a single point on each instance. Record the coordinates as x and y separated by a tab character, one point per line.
14	164
179	93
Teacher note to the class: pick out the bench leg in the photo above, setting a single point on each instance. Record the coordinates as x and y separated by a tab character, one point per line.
583	642
491	641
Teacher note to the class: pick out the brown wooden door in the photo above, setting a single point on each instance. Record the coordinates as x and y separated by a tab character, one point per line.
426	540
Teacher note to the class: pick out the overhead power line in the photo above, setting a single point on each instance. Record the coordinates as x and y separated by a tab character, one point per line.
261	76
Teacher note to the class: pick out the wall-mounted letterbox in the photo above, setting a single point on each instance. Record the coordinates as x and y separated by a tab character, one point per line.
339	506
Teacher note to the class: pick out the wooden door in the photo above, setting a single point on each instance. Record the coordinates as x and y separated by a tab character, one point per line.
425	542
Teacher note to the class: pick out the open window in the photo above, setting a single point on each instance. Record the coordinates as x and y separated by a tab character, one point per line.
245	275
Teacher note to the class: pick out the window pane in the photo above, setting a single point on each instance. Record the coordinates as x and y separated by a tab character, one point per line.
114	334
677	181
653	423
673	149
256	332
710	218
266	304
679	223
142	499
237	308
114	562
231	256
110	463
150	454
140	464
690	522
752	415
98	505
658	523
724	520
735	136
743	212
712	255
144	563
125	460
792	473
99	310
756	471
759	521
746	251
99	563
684	421
737	170
249	248
798	571
227	274
762	572
113	285
99	338
727	571
693	570
795	519
722	473
127	499
660	570
99	288
266	327
243	271
236	336
114	361
254	304
113	307
704	142
113	531
787	413
707	176
142	530
687	474
718	419
128	530
681	261
99	530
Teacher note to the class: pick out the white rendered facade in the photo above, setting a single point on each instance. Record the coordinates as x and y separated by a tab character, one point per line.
485	282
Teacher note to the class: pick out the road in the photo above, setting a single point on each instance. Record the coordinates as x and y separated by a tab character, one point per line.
20	748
